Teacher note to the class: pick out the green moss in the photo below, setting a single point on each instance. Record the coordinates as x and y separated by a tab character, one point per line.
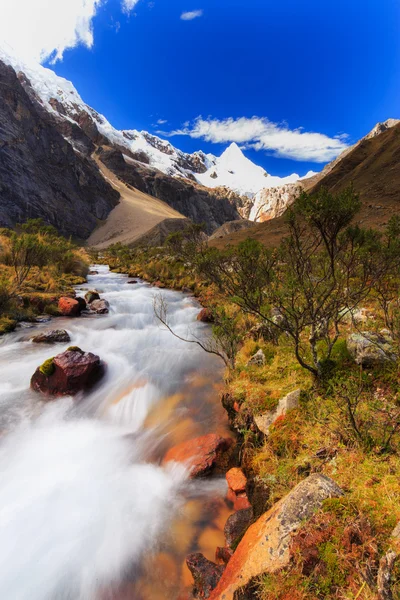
74	349
52	310
47	368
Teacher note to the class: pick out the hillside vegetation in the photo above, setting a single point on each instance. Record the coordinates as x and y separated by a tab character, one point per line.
321	311
36	267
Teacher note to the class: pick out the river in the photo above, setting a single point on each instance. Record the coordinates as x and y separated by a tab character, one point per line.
86	509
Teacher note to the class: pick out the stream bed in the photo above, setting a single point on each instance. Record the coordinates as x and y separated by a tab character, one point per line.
86	509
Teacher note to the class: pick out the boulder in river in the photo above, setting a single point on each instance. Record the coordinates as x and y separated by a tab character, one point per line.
265	547
52	337
206	574
92	295
205	316
100	307
68	373
202	455
69	307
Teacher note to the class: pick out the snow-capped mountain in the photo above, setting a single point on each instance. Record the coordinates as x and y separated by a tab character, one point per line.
232	169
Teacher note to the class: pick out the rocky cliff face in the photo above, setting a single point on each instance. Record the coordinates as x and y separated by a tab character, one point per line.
40	173
202	205
271	203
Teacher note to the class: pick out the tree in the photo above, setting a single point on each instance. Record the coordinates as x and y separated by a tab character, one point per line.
320	273
26	251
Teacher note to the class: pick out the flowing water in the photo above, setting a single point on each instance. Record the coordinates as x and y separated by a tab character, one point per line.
86	509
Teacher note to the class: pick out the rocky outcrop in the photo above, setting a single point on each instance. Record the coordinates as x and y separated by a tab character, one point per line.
231	227
257	360
265	547
370	349
271	203
201	455
265	420
68	373
40	174
158	235
52	337
200	204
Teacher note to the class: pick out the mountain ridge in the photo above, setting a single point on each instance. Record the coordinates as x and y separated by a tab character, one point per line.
60	98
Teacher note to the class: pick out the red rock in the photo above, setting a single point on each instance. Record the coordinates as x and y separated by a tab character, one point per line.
223	555
69	307
230	496
205	316
241	502
68	373
206	574
201	454
237	480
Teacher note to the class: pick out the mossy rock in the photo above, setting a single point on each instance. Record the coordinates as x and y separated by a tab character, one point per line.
75	349
47	368
7	325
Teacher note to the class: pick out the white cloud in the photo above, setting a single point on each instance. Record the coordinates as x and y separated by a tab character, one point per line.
259	133
162	121
129	5
192	14
44	29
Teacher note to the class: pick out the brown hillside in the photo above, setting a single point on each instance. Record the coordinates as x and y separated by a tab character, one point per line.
373	167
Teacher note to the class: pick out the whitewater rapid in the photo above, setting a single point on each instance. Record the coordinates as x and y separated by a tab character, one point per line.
82	494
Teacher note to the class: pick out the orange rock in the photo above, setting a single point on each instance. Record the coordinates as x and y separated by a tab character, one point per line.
201	454
69	307
265	547
237	480
241	502
231	496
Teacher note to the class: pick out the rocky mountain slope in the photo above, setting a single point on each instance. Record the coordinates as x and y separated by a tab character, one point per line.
202	205
372	166
153	165
40	174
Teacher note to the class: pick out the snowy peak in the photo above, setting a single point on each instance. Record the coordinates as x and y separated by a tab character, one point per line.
233	155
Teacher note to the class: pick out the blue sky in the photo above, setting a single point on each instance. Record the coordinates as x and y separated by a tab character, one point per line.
326	66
